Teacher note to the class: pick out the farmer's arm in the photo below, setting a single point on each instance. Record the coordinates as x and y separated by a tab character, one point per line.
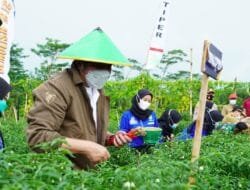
47	114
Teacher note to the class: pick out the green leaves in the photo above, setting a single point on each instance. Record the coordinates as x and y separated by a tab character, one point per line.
224	164
48	52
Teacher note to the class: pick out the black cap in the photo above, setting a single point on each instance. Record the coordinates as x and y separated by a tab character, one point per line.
237	108
5	88
143	92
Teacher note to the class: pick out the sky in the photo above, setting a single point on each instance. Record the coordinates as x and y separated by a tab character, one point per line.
130	24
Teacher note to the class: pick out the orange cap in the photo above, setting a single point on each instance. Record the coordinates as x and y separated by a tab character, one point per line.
233	96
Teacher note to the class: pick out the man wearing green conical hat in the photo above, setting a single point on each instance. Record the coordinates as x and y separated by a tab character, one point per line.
72	106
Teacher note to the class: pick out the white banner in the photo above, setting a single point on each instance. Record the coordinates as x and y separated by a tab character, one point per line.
156	47
6	36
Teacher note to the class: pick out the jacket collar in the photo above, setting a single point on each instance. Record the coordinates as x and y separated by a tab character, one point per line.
75	75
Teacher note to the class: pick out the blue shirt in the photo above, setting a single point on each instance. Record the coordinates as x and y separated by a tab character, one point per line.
129	121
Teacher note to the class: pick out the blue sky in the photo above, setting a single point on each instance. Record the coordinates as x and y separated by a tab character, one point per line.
130	24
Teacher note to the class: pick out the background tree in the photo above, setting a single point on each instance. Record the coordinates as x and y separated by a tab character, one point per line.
122	73
18	77
182	75
17	71
170	58
48	52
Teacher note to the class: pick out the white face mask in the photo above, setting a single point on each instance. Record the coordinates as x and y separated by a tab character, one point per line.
97	78
174	125
232	102
238	117
143	104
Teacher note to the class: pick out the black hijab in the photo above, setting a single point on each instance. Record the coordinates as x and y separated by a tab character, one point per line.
165	121
135	109
5	88
210	119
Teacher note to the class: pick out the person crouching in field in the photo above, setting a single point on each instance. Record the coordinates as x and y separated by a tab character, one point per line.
139	116
168	122
235	120
211	118
241	127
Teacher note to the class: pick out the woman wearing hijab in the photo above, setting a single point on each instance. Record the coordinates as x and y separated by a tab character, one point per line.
139	115
168	122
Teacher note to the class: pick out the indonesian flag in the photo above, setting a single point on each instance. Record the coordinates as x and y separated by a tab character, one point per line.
156	47
6	36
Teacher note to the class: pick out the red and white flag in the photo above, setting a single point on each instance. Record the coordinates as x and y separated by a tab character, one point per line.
6	36
156	47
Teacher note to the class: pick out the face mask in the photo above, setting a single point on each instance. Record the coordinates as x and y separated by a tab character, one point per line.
232	102
3	105
143	104
238	117
210	97
174	125
97	78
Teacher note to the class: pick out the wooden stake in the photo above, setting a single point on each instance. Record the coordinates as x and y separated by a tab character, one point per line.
199	121
201	111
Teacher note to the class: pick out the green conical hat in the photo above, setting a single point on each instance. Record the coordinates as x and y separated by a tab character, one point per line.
95	47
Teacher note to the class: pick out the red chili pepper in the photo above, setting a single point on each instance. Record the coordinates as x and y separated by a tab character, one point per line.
110	140
132	134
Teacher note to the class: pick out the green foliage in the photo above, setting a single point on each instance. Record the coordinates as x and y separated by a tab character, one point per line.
224	164
170	58
167	94
17	71
172	94
122	73
48	52
183	75
224	161
22	84
21	99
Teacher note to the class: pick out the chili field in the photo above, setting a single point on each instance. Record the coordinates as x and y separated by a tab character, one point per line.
224	164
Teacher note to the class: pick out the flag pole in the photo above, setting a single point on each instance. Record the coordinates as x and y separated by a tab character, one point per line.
191	79
199	121
235	83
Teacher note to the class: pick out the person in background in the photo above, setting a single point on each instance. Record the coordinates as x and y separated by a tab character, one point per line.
246	106
240	127
210	97
5	88
211	118
72	105
139	115
233	119
235	116
229	107
168	122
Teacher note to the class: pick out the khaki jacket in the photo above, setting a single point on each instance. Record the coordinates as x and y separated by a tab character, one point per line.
62	109
226	109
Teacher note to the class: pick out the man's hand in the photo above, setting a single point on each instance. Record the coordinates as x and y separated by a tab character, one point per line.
94	152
